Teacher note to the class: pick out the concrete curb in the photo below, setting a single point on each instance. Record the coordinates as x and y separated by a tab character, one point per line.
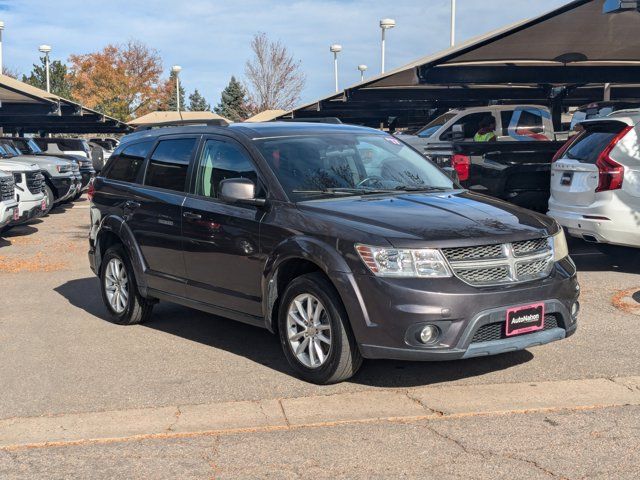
372	405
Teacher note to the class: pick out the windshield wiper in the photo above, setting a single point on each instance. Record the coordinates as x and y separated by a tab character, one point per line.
422	188
344	191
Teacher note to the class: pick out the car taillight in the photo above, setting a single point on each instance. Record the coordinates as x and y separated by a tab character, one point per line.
565	146
610	172
461	164
91	190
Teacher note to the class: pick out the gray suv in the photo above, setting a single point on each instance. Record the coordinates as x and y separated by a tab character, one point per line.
343	240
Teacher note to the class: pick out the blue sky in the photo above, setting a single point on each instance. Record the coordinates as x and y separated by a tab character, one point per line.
210	38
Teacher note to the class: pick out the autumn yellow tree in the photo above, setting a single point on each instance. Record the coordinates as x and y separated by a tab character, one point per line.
122	81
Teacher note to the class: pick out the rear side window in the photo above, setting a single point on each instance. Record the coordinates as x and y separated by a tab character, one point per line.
169	163
530	120
591	143
127	165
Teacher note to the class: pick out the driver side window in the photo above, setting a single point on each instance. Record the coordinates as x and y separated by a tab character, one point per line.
219	161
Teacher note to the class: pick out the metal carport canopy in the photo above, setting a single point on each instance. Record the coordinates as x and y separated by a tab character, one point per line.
27	109
567	54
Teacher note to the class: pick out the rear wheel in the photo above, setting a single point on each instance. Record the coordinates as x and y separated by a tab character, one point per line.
119	290
315	333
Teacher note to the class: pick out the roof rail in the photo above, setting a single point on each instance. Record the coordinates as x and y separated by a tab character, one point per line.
334	120
214	122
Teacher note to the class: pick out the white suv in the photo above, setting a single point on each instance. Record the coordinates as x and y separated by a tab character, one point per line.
29	185
8	203
595	183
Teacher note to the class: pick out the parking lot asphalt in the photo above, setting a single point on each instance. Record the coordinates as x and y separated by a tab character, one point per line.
60	356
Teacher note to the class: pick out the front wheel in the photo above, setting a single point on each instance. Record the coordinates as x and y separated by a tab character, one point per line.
119	291
315	333
49	199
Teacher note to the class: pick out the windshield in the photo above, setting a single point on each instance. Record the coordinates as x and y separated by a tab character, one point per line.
32	146
433	126
10	149
348	164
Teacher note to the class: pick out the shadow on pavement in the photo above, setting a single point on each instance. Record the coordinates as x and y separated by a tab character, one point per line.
589	259
260	346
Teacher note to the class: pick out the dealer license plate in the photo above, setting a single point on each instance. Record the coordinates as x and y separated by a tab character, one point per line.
527	318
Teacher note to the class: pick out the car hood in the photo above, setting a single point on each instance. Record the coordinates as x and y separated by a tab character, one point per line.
12	165
442	219
40	159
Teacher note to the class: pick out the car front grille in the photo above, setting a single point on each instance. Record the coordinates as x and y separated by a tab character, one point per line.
496	331
7	188
35	182
498	264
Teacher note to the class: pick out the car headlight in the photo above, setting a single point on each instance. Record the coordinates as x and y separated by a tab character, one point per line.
400	262
560	248
63	168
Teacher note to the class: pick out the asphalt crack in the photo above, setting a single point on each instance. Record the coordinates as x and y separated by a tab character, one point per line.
484	453
177	417
419	402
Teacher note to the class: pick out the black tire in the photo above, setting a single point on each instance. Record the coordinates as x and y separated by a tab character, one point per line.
343	359
50	199
138	309
77	196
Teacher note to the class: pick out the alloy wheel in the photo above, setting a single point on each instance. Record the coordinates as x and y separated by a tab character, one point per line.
309	330
116	285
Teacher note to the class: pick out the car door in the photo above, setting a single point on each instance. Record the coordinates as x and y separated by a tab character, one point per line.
223	261
155	214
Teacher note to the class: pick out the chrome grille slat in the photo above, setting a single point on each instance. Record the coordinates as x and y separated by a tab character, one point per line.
35	182
516	262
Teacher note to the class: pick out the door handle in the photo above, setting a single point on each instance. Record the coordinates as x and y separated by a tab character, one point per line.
191	216
131	205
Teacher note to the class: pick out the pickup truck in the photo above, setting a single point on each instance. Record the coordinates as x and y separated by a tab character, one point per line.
518	172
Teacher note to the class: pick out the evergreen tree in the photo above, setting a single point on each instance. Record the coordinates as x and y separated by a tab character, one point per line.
172	99
59	78
197	103
233	102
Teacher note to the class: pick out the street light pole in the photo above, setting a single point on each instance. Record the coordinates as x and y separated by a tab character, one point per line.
46	49
453	22
362	69
176	71
1	29
385	24
335	49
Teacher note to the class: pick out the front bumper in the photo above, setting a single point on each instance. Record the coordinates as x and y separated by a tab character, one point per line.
28	210
63	187
387	314
7	212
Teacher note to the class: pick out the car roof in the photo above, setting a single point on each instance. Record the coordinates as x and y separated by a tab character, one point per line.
254	130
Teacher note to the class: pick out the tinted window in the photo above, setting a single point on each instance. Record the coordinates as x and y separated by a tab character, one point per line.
126	166
169	163
590	144
219	161
470	122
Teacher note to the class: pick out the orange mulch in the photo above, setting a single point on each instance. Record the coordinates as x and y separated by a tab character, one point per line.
623	301
40	262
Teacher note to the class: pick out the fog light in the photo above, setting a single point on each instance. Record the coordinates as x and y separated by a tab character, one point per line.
429	334
575	308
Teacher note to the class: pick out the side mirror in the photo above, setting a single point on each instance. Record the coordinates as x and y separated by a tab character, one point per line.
452	173
239	190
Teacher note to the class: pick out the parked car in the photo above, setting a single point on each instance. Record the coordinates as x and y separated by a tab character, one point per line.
68	146
595	184
341	239
61	182
28	184
600	110
8	204
28	146
513	123
517	172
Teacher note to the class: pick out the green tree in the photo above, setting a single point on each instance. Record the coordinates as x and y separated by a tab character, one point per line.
59	78
172	99
233	102
197	103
